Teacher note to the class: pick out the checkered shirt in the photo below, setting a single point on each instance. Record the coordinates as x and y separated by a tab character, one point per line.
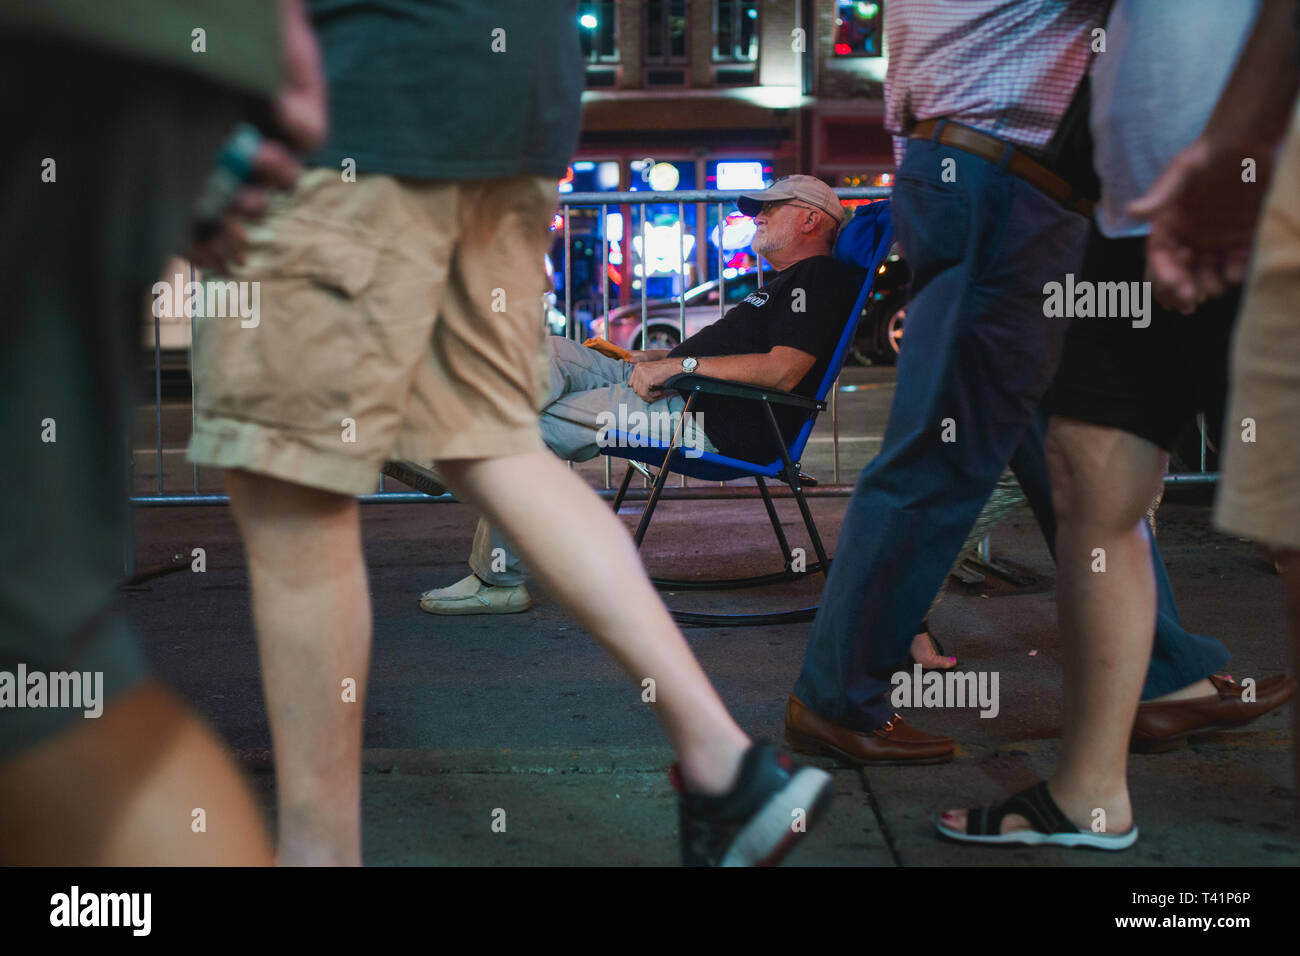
1007	67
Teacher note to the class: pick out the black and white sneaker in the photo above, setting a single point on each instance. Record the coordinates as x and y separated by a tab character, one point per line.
419	477
773	804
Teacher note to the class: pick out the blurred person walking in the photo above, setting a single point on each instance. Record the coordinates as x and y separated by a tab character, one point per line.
401	284
983	93
113	118
1131	382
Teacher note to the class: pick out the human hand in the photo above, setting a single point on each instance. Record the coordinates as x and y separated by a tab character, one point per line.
1203	214
648	377
301	114
273	167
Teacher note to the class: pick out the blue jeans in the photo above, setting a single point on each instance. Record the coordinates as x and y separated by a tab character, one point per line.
980	355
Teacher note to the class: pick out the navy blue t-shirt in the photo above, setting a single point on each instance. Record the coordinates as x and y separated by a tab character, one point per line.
803	307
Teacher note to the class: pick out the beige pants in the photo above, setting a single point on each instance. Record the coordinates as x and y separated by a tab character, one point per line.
1259	497
395	319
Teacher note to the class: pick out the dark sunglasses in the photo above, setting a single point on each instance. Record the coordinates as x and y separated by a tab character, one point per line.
771	206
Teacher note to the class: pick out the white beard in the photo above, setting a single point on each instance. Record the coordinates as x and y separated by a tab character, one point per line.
770	240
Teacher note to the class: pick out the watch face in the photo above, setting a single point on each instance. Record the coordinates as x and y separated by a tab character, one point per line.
688	364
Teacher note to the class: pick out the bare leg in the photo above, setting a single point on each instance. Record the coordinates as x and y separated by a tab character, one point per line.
585	557
121	790
1106	479
311	608
1102	481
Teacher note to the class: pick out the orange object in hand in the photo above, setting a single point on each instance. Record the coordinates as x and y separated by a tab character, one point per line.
606	347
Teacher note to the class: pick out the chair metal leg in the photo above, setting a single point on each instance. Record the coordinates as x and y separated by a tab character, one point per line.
622	489
760	580
823	562
792	479
786	556
660	480
700	619
791	474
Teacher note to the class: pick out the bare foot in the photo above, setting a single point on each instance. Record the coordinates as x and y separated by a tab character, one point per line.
924	654
956	819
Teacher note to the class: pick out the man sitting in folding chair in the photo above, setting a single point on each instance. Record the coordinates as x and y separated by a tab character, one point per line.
782	336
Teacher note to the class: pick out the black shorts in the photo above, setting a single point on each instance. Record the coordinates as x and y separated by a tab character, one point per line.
1149	381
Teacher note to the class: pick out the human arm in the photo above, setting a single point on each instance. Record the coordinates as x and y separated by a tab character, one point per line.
302	120
782	368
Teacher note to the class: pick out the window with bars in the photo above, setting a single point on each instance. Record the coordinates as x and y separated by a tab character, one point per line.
735	31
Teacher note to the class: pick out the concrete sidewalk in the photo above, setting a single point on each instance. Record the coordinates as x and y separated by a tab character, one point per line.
526	714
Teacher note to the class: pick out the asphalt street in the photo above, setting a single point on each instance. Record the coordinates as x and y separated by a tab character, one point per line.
525	713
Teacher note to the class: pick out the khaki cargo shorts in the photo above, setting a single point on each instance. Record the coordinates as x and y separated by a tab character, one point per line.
1259	495
377	319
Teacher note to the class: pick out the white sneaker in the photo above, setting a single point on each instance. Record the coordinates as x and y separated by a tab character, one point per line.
472	596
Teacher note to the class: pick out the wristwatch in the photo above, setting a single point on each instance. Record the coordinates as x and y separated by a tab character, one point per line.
690	364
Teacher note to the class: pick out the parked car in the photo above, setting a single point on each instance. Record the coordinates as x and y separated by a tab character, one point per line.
663	316
878	339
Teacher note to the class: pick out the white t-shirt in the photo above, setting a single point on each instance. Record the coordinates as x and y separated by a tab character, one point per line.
1153	90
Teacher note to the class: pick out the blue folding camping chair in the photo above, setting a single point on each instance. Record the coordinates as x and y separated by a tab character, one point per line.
864	241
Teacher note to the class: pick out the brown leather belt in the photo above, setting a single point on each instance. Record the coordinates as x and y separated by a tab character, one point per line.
992	149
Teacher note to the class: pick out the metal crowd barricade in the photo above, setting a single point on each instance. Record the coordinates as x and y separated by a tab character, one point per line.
634	199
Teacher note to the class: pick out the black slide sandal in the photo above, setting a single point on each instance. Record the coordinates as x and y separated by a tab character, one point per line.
1048	826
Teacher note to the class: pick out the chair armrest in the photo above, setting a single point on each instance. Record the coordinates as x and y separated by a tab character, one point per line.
690	382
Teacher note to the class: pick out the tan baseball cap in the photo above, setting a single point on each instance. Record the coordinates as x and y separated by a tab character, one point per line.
807	189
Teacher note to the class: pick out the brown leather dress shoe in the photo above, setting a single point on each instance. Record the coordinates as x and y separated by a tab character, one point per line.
894	743
1165	725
